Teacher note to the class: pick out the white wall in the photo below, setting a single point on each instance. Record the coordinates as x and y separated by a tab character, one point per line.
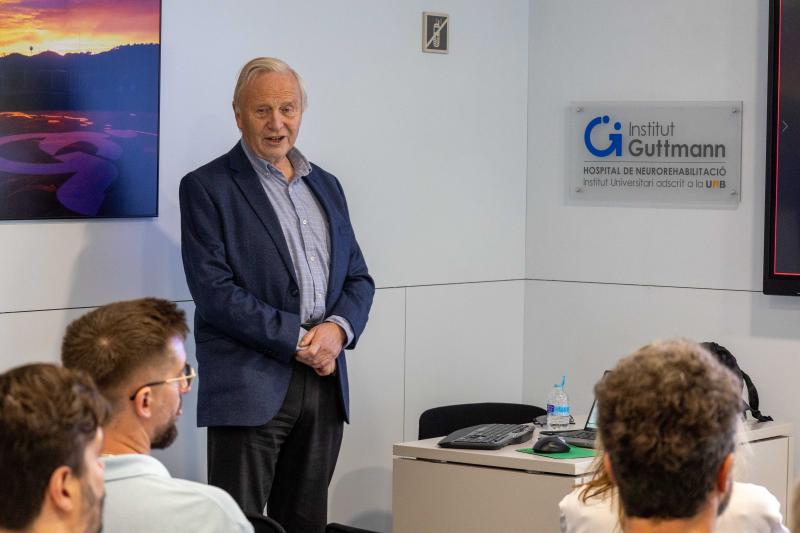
603	281
431	150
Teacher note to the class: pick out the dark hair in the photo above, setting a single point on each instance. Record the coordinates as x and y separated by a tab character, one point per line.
116	339
48	414
667	418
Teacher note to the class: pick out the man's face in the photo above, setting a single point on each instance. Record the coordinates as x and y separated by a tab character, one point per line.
92	487
170	397
269	115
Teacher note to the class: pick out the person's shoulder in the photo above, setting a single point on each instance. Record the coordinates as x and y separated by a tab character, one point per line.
327	180
321	174
210	504
748	496
751	508
210	172
571	501
595	514
140	490
188	502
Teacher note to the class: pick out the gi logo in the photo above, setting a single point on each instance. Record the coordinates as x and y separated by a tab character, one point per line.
614	139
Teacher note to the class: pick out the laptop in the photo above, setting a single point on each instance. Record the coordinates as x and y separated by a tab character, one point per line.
583	438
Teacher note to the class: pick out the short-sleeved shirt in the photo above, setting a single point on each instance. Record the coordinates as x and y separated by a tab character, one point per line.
141	496
752	509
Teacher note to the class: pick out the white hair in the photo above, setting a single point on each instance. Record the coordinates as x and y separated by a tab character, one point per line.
260	65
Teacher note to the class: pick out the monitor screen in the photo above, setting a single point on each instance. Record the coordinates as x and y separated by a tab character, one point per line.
782	224
591	422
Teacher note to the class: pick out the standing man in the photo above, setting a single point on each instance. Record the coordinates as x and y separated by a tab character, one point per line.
50	440
281	288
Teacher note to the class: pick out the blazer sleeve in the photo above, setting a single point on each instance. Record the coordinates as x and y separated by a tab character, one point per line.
358	289
228	307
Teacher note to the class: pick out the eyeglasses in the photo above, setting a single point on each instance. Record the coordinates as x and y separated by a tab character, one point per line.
184	381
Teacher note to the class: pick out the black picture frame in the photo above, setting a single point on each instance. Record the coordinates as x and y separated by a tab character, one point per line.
781	239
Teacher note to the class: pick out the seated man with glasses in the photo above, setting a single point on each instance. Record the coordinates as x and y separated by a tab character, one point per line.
134	351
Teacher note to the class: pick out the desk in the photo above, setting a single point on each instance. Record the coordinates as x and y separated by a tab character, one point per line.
441	490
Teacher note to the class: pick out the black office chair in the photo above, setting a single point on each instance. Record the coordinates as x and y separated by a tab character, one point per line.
341	528
264	524
441	421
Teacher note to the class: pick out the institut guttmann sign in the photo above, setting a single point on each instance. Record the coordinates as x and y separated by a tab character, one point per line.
678	153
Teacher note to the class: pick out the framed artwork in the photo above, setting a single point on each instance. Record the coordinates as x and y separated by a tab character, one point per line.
79	107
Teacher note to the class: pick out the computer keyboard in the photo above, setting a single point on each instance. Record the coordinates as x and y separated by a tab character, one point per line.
488	436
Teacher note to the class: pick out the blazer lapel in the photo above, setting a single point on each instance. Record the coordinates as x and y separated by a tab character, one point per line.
246	178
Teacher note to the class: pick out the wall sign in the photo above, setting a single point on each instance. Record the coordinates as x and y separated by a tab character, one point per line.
435	32
678	153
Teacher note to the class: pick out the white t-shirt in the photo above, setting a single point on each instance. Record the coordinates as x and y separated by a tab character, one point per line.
141	497
752	509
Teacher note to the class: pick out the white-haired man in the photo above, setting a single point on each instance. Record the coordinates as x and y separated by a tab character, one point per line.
281	288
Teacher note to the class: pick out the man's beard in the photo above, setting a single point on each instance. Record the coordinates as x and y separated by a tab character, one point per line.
165	436
92	510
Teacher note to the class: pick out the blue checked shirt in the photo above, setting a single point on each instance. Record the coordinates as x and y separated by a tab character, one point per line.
305	228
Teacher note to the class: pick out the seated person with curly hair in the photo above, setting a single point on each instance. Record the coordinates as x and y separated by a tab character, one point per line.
668	418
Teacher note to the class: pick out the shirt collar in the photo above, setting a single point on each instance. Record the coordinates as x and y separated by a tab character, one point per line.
302	167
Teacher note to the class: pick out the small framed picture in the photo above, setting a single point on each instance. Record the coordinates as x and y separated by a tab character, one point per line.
435	32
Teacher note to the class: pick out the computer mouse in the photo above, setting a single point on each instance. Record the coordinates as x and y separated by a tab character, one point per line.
550	445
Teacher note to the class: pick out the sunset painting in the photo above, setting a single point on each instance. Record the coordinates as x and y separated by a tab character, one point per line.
79	85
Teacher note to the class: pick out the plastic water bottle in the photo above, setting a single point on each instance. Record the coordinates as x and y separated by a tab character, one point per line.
558	407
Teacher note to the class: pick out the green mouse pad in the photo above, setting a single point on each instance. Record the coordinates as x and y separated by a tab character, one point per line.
574	452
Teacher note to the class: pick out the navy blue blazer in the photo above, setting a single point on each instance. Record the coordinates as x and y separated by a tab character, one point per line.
247	299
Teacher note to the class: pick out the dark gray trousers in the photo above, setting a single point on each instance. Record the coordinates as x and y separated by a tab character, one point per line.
287	463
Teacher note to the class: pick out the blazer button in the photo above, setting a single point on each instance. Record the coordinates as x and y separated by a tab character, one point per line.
294	292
